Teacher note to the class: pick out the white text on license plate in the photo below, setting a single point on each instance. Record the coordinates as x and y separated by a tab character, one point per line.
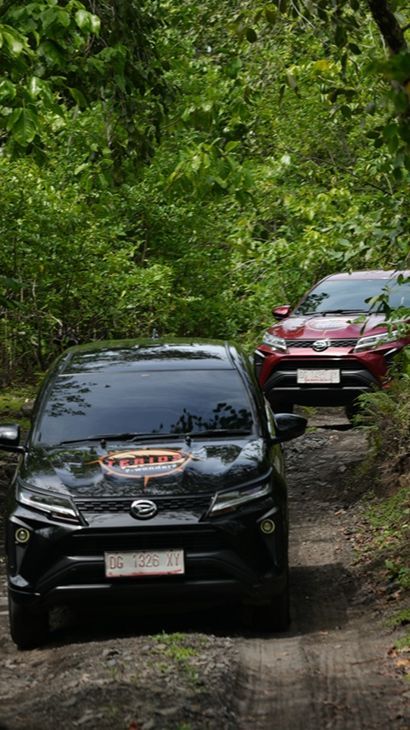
144	562
322	377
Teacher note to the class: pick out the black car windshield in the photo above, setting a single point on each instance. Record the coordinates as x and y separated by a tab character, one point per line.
149	402
351	295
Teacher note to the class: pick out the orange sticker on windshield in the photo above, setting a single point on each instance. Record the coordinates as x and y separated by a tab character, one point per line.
144	463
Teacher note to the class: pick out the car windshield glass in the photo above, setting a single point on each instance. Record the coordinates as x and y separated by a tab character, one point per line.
350	295
83	404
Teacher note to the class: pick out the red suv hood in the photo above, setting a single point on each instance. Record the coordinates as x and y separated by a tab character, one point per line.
331	325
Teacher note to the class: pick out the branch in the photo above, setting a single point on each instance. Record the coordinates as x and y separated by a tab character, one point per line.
345	168
392	32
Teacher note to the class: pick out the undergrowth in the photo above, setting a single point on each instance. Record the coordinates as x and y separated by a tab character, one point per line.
384	541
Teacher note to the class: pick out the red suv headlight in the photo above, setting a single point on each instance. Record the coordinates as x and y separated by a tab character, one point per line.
276	343
372	341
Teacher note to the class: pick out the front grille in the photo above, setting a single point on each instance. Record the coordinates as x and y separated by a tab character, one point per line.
95	542
291	365
332	343
164	504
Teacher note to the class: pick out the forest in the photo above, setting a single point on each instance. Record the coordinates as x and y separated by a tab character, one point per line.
184	167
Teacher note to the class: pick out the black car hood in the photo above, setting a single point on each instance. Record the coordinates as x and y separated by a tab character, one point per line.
128	470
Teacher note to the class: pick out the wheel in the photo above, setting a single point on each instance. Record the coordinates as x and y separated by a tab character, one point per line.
275	615
28	629
283	408
351	411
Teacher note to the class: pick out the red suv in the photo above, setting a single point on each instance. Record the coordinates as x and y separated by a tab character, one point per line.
335	344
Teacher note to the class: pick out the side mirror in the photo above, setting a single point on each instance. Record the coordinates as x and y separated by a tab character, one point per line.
289	426
282	312
10	439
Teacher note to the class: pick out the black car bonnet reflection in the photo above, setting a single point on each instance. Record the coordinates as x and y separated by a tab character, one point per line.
174	468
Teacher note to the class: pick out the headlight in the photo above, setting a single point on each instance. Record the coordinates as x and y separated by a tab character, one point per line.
224	501
276	343
372	341
56	507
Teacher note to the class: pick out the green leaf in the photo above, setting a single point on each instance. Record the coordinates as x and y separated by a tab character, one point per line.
251	35
82	18
271	14
78	97
346	111
87	21
292	82
7	91
24	127
95	24
34	86
55	16
13	41
53	53
232	145
340	36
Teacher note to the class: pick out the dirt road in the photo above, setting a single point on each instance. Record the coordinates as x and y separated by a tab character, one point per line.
330	671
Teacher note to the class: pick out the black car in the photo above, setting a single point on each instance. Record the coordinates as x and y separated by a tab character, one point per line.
152	472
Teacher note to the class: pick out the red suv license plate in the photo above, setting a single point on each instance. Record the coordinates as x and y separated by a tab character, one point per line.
144	562
321	377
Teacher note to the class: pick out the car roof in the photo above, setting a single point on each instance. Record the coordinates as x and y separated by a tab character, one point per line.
149	354
370	274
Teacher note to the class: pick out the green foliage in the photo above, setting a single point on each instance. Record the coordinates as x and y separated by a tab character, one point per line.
388	525
13	399
59	57
164	168
38	40
178	648
348	59
386	414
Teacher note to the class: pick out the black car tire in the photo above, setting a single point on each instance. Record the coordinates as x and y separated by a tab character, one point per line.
283	408
28	630
351	411
275	615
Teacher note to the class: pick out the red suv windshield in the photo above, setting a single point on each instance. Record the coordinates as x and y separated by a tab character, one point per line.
353	295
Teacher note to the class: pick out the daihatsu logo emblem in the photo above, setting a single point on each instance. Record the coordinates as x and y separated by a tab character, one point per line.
143	509
320	345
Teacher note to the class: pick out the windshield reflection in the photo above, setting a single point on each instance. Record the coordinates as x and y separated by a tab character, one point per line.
355	295
80	406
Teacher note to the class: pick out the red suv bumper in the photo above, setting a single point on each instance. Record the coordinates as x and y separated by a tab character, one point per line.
340	375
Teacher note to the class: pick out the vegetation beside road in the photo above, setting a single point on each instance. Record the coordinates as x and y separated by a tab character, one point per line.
383	540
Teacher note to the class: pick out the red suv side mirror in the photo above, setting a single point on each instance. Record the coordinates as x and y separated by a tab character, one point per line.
282	312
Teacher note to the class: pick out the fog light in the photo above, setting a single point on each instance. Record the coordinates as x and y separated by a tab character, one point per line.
22	535
267	527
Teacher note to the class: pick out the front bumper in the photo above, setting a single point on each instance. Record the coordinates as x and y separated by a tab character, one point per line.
224	557
277	374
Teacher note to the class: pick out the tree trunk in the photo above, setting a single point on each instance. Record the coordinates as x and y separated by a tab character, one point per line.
388	25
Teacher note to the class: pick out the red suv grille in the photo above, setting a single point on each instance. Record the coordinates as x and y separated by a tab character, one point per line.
332	343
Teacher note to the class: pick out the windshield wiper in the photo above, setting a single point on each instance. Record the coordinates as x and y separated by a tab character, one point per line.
331	311
102	437
220	432
136	436
344	311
